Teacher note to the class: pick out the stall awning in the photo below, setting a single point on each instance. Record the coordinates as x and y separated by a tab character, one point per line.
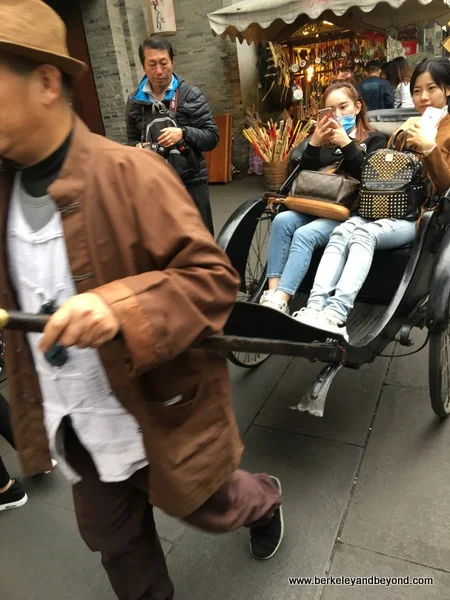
253	20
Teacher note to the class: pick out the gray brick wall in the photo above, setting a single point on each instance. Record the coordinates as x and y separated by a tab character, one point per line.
210	63
103	29
114	30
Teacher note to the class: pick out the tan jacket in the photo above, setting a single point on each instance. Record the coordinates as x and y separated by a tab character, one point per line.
134	236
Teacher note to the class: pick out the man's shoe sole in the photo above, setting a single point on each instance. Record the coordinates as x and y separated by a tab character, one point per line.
282	528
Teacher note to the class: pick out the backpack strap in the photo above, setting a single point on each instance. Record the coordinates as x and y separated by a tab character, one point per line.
174	101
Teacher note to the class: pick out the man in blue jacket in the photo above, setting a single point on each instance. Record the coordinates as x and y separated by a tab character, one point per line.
173	118
376	92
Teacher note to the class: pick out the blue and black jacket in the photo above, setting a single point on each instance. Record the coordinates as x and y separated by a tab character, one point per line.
192	115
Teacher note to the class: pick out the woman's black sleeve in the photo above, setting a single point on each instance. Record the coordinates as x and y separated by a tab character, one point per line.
310	159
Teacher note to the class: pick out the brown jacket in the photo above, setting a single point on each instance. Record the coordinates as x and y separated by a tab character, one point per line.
134	236
437	163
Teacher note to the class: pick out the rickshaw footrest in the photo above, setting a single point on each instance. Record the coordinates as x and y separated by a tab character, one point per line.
314	400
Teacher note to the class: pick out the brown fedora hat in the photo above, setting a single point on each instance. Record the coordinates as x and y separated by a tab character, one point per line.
30	28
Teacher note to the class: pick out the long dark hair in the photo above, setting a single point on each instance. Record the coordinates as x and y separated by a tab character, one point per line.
398	71
439	70
362	121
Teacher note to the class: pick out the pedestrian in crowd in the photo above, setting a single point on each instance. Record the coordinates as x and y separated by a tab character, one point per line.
399	76
375	91
106	240
12	494
171	117
346	74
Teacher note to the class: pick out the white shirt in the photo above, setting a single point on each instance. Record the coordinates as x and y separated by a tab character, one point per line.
80	389
402	96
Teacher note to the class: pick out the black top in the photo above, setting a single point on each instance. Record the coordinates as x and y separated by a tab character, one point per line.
377	93
38	178
315	157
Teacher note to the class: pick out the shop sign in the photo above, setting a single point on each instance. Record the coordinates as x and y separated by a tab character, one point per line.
161	17
410	47
446	44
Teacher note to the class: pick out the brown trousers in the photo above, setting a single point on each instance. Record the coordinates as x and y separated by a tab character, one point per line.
116	520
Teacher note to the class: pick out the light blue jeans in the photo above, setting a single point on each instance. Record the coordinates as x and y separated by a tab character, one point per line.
348	257
293	239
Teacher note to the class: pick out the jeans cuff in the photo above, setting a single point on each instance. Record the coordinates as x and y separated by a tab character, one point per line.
286	291
274	275
316	305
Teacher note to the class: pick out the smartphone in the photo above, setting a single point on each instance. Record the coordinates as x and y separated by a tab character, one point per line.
323	113
431	117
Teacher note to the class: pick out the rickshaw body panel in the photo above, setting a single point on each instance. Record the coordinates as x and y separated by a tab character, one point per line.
438	302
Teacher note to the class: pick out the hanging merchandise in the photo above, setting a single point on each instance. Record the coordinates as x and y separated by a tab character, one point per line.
317	54
394	49
295	73
280	68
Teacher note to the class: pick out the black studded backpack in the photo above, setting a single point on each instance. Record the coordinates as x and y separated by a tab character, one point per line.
392	184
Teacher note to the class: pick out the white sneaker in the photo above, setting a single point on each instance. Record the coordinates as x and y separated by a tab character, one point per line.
328	321
271	301
54	463
307	316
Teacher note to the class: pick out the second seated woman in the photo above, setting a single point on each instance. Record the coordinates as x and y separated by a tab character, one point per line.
344	135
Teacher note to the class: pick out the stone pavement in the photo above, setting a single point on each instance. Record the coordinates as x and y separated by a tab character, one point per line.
365	492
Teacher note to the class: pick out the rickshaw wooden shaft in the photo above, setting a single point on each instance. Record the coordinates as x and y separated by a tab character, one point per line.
321	351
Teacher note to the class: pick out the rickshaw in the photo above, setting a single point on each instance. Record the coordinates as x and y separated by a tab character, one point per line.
406	288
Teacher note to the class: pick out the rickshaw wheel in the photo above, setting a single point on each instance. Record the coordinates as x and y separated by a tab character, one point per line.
439	372
254	284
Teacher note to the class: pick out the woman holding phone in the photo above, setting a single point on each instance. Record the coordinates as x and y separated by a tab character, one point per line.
342	134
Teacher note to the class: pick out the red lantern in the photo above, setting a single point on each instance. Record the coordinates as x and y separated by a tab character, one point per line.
379	37
369	36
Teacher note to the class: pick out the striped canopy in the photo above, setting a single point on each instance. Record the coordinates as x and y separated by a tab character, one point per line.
254	20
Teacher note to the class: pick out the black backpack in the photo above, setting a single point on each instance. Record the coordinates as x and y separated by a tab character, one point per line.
161	118
392	185
180	157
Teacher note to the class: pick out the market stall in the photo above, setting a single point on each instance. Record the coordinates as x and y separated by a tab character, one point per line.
262	20
299	68
305	44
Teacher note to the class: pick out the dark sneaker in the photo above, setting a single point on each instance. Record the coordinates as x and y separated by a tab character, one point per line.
266	539
14	497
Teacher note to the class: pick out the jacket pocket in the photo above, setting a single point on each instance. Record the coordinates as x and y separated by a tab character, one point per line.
173	412
180	432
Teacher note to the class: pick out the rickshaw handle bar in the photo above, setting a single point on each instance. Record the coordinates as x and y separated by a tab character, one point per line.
225	343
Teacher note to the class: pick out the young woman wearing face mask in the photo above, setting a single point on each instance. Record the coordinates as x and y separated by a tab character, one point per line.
344	135
348	256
